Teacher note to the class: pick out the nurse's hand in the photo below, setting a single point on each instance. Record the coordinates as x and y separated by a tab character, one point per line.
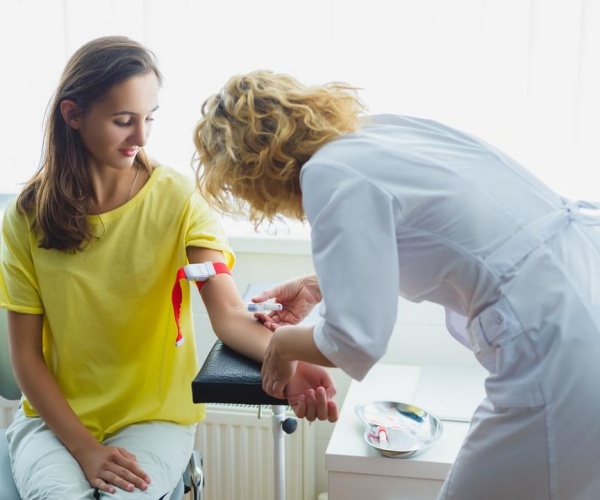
310	393
298	297
276	371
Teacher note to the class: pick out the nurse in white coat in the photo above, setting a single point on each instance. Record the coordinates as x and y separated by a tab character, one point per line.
410	207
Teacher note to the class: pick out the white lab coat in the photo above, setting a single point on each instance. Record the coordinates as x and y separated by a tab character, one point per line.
410	207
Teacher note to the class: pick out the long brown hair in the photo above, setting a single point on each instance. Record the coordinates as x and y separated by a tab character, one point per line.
59	194
257	133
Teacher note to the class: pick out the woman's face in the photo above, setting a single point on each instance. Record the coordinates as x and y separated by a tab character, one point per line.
114	129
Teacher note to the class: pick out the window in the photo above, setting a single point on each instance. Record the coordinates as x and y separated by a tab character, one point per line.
522	74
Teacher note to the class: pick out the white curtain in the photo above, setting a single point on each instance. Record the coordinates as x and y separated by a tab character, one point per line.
522	74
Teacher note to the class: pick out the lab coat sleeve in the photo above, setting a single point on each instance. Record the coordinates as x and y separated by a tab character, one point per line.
355	256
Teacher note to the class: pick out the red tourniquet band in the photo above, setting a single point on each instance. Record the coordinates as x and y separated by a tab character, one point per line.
176	295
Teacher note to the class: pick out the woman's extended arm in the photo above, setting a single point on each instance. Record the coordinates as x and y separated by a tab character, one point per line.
230	320
310	393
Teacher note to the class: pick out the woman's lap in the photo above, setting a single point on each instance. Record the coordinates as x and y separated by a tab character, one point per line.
44	469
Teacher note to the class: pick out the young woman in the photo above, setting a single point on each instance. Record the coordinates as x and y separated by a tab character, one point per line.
406	206
90	252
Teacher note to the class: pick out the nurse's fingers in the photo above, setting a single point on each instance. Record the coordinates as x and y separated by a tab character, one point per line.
275	389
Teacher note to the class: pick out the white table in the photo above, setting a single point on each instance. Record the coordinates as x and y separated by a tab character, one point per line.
357	471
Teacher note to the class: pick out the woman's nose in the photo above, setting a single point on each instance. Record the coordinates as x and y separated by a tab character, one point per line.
140	134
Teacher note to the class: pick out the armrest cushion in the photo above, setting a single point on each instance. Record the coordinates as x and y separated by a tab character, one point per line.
229	377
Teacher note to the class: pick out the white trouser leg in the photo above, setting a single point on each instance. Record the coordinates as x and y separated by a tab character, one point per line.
45	470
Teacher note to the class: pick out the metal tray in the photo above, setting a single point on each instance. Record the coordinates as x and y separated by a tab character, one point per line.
398	430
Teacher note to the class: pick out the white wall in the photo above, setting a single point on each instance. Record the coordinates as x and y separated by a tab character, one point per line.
523	74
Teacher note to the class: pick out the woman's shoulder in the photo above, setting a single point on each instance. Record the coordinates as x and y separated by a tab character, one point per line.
14	221
12	213
169	178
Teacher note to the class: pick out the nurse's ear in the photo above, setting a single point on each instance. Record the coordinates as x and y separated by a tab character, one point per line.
71	113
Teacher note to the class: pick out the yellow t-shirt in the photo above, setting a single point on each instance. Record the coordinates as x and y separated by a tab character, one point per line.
109	329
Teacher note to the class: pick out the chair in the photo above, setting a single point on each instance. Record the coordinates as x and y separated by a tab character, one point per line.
10	391
229	377
192	480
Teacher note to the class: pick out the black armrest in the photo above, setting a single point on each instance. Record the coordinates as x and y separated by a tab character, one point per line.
229	377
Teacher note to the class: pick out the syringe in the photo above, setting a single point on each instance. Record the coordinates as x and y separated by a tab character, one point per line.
264	307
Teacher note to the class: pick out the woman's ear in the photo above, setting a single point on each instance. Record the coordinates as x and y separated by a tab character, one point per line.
71	113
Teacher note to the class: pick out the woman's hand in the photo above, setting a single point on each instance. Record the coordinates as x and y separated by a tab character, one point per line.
298	297
310	393
308	388
108	466
288	346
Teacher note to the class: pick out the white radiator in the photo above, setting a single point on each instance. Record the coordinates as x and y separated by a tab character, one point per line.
238	452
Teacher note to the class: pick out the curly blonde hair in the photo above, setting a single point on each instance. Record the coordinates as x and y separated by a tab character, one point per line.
257	133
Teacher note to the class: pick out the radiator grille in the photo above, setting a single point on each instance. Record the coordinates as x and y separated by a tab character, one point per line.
238	452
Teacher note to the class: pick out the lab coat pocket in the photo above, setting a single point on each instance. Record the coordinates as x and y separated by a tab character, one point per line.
505	350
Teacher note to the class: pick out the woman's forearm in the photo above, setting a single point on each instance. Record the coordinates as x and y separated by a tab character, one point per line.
240	331
39	386
45	396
